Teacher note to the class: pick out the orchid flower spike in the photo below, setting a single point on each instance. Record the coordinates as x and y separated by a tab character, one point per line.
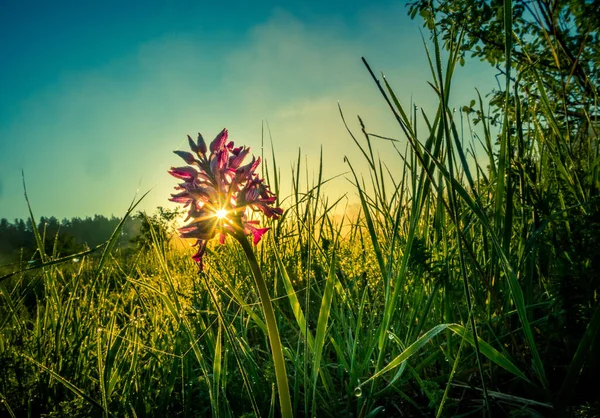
220	192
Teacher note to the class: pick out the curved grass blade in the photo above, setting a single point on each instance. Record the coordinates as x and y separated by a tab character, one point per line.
487	350
409	352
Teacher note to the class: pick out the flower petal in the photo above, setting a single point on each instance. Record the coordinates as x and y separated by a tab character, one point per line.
219	141
257	234
188	157
236	160
269	212
193	145
181	198
247	170
201	144
203	229
185	173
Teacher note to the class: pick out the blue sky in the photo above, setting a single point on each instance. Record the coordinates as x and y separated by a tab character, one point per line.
96	95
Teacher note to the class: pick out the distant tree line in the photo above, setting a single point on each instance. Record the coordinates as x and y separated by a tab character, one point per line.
70	236
64	237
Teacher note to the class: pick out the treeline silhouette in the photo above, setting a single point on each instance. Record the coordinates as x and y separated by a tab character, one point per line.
64	237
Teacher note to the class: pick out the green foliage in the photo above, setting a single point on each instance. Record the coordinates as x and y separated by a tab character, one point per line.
159	226
560	38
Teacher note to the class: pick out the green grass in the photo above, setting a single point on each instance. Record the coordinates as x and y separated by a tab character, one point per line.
446	295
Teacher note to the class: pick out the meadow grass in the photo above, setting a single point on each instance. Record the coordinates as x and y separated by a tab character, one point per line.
437	299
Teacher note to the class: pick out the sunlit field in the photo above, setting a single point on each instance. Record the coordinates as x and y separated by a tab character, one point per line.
465	285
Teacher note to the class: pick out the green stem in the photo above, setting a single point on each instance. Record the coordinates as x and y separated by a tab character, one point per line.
274	338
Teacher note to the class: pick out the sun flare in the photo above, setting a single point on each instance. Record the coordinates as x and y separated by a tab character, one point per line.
221	214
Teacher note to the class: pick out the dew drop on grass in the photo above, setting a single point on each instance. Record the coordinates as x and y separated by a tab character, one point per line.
358	392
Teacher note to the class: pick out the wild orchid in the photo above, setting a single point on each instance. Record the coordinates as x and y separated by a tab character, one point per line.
220	192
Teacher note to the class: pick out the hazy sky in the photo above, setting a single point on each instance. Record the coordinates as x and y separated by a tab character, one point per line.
94	96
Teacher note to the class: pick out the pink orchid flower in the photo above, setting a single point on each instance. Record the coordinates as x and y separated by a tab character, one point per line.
220	192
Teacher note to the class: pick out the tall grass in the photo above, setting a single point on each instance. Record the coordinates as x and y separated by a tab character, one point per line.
433	300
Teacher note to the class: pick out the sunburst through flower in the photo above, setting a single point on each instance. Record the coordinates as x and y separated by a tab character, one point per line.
221	213
220	192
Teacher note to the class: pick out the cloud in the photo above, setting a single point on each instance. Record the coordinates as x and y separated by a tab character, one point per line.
294	74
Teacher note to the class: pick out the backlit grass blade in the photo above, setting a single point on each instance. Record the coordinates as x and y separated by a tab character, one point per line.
488	351
485	349
322	327
7	406
36	233
217	360
115	235
409	352
294	302
455	364
113	362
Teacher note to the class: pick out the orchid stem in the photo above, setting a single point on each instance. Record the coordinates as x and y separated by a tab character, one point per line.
274	338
